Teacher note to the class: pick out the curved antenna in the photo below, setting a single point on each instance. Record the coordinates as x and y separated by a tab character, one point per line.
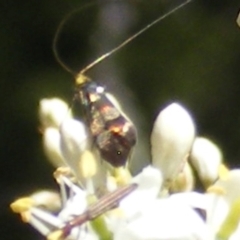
114	50
124	43
57	35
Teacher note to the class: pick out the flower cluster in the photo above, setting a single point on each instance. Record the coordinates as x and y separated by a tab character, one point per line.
98	201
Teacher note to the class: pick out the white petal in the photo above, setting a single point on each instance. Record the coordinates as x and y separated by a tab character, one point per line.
230	185
206	158
238	20
227	192
184	181
48	199
164	220
191	199
74	141
217	211
214	206
52	112
149	184
172	137
236	234
149	178
75	205
51	146
82	233
43	221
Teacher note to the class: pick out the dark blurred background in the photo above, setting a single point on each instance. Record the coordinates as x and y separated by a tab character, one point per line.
192	57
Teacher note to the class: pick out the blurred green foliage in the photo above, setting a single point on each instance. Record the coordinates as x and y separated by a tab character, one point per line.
192	57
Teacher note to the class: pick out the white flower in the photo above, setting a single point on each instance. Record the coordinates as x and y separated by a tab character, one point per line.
52	112
143	207
74	141
172	138
224	207
206	158
51	146
230	185
149	184
164	219
148	217
184	180
238	20
76	150
143	214
236	234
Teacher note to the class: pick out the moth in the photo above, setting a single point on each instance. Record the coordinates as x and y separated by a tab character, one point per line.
113	133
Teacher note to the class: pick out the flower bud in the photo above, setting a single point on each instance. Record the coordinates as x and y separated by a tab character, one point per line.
184	181
238	19
172	137
52	112
206	158
48	200
74	141
51	146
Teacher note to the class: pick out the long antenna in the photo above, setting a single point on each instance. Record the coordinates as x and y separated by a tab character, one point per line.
57	35
114	50
124	43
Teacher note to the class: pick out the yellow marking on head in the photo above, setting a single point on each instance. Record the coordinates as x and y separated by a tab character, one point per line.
81	79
